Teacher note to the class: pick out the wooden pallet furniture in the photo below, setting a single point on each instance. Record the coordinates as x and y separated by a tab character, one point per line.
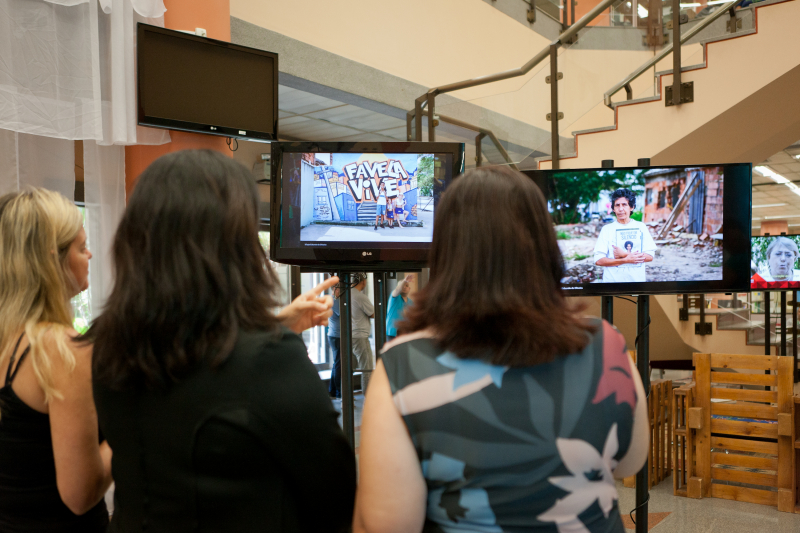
660	411
736	443
683	447
796	454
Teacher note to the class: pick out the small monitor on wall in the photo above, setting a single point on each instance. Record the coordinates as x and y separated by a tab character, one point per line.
774	262
191	83
367	205
676	229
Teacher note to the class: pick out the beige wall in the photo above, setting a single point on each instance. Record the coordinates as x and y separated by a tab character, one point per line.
430	42
444	41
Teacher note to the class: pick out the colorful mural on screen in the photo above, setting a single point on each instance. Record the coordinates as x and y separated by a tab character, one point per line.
349	187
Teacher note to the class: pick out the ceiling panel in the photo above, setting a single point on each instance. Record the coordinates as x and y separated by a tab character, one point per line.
358	118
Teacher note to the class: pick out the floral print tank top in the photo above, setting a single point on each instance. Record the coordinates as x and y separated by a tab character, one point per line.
517	449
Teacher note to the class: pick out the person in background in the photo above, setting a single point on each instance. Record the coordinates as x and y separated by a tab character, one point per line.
503	408
622	265
397	303
217	417
399	209
390	212
54	470
380	210
335	342
362	310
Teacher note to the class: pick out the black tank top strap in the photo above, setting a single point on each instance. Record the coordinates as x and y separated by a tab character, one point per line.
11	372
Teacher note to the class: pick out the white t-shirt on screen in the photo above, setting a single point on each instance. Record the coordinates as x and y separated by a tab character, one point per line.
635	234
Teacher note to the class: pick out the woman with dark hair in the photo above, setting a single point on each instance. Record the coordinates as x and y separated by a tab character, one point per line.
217	418
501	407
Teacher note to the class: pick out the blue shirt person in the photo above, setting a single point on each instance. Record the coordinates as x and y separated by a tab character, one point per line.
397	302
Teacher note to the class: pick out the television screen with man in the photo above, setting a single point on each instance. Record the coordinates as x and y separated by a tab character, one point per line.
637	225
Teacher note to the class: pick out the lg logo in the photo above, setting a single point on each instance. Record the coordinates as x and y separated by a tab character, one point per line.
366	253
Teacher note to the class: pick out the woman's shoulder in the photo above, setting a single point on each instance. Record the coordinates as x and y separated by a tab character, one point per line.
270	346
424	339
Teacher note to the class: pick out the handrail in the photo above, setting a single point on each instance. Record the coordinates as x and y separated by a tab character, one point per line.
667	50
430	96
484	131
467	126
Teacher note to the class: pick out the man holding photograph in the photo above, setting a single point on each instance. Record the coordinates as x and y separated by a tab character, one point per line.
624	246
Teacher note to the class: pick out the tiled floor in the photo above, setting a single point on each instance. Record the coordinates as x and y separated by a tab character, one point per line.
709	515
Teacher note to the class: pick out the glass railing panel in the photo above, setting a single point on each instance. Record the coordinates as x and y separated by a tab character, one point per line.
513	111
552	8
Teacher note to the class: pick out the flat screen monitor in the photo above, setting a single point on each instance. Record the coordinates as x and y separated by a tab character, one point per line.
657	230
366	205
191	83
774	262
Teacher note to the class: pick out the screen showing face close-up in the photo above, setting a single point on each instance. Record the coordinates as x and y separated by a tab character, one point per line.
774	262
653	227
357	200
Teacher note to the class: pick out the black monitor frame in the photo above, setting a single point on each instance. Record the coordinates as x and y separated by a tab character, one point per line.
211	129
366	258
737	216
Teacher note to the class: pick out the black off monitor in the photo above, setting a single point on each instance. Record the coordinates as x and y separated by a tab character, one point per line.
365	205
191	83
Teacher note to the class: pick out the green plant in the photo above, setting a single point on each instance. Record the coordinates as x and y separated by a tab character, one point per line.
563	235
425	175
715	265
637	215
569	189
579	257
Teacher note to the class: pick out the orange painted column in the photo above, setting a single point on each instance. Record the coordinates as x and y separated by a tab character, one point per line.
215	17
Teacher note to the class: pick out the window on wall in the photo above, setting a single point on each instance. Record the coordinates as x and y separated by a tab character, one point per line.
316	338
82	303
649	198
662	198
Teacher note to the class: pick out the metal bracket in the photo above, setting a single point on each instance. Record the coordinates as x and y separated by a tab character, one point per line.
687	93
646	39
702	328
531	15
683	315
683	20
560	77
560	116
730	27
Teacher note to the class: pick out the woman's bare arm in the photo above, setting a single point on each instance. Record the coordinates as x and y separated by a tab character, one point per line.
391	495
83	465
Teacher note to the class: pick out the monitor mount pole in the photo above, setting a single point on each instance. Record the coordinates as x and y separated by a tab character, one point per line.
643	366
346	343
345	354
379	297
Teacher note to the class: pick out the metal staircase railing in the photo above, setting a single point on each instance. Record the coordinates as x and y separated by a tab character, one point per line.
677	38
425	105
429	98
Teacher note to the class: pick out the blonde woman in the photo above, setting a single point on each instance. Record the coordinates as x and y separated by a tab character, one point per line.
53	469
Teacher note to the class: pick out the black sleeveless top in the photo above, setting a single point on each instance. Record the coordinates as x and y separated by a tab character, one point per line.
29	498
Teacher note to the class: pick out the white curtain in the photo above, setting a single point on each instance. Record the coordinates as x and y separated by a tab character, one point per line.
38	161
104	185
67	73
